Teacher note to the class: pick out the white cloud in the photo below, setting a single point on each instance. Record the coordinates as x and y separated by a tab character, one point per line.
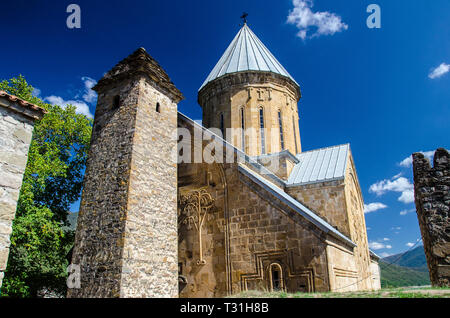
399	184
81	107
307	21
396	228
385	254
36	92
407	196
368	228
375	206
410	244
90	95
407	162
378	246
404	212
439	71
386	239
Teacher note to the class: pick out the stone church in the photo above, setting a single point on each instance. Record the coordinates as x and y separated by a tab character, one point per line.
159	219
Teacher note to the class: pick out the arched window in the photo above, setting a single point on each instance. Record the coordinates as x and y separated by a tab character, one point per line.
158	108
261	126
222	125
280	123
243	129
276	277
295	134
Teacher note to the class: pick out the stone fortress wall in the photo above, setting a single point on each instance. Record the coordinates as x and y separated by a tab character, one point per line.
432	198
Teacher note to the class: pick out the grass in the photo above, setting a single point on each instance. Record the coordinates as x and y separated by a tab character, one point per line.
404	292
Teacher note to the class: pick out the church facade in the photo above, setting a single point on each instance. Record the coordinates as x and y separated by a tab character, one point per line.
255	213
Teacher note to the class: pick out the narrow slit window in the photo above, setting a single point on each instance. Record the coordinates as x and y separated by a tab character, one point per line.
295	134
158	108
280	123
261	123
116	102
222	125
243	129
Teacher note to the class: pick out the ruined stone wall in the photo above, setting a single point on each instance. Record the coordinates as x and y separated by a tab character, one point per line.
432	198
251	91
15	137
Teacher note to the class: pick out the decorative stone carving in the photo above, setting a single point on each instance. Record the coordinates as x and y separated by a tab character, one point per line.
194	208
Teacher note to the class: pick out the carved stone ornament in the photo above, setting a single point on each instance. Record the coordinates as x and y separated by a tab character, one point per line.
194	207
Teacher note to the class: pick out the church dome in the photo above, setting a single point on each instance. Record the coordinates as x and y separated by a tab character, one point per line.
246	53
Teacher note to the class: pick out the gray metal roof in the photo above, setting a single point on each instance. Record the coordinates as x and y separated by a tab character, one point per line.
294	204
320	165
246	53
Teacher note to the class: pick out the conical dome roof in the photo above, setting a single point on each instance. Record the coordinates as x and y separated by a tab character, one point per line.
246	53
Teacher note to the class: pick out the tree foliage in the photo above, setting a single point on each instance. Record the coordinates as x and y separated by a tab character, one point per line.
52	181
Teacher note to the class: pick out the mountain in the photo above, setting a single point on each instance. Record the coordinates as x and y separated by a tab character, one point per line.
405	269
414	259
72	218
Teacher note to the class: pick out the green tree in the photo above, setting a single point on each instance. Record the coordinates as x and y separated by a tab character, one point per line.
52	181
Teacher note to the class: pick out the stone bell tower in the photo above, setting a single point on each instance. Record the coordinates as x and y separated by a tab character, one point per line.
249	89
126	241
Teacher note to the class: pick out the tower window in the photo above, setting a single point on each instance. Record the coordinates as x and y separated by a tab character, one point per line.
280	123
116	102
222	125
243	129
261	126
295	134
158	108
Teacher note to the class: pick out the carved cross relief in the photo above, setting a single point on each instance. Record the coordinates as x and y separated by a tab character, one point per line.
194	208
260	94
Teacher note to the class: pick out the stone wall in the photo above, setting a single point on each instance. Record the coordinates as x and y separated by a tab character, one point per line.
16	131
247	231
432	198
376	274
357	224
264	231
343	271
327	199
340	203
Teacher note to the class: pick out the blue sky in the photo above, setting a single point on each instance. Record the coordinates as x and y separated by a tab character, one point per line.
373	88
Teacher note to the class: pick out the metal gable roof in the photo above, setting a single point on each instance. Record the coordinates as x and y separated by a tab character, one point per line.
246	53
320	165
